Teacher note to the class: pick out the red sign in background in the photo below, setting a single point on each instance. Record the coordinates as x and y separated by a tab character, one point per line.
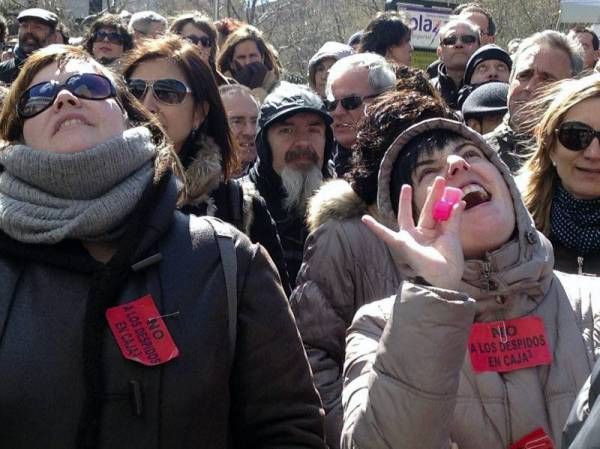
141	332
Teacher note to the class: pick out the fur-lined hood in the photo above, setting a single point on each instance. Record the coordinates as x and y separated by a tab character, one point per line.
205	172
335	200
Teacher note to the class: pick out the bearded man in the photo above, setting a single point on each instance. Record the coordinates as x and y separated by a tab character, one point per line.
36	30
294	143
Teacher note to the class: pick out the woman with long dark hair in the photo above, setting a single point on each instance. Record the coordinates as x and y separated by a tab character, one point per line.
172	81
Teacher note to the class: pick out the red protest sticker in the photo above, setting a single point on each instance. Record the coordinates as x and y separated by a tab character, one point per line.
535	440
141	332
504	346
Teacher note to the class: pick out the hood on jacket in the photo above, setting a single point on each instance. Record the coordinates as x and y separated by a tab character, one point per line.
335	200
331	49
522	265
288	99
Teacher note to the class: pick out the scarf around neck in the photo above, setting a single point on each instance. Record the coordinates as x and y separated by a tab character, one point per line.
46	197
575	223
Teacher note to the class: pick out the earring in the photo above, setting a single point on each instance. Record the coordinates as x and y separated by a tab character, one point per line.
553	162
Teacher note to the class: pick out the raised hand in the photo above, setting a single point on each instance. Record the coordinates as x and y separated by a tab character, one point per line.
433	249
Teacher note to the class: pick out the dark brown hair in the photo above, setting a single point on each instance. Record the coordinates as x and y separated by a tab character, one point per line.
112	22
388	116
248	33
203	23
201	81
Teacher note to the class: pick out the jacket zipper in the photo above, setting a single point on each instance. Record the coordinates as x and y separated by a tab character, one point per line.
580	265
487	269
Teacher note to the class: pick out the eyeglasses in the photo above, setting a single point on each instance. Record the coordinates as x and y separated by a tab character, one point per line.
167	91
576	136
466	39
349	103
204	40
113	37
89	86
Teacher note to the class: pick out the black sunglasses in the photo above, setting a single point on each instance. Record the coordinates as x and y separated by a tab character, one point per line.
576	136
349	103
204	40
89	86
113	37
465	39
169	91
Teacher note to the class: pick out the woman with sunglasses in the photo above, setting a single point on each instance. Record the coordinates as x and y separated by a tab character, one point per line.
108	39
562	177
171	80
121	322
200	31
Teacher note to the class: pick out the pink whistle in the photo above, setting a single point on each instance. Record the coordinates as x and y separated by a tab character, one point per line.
443	207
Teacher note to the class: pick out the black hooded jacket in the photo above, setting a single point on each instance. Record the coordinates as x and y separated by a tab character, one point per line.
287	99
9	69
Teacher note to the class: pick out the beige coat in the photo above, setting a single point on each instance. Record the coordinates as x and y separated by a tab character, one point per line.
409	381
344	267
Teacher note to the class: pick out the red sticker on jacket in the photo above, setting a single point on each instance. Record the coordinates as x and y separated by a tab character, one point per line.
504	346
141	333
535	440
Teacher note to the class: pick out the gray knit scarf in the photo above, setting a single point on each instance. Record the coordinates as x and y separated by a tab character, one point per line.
46	197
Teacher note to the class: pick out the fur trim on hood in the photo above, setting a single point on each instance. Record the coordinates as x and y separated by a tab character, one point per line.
335	200
205	172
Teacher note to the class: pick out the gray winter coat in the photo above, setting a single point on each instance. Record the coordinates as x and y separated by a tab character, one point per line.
409	381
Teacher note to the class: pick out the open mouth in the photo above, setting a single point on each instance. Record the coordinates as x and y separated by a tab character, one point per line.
474	195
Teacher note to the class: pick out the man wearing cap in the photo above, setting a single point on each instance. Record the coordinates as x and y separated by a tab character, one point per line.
485	106
294	142
36	30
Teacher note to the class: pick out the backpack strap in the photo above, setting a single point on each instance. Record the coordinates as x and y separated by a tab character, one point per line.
224	238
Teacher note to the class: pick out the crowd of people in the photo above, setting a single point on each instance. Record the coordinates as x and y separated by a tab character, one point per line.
196	252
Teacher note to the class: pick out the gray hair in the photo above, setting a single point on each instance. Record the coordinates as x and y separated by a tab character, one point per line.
229	90
381	73
141	21
455	21
552	39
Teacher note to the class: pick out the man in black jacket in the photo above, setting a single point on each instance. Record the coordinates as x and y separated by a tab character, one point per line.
294	143
459	39
36	30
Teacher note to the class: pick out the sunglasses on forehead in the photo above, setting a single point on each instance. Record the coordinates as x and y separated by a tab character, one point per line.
576	136
113	37
168	91
349	103
89	86
465	39
202	40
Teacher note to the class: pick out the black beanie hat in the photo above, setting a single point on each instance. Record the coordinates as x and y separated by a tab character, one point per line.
487	99
485	53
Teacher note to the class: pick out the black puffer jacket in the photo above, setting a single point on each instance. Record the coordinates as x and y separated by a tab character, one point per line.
263	397
287	99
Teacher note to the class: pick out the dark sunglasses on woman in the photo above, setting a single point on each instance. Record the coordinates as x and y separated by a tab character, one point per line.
576	136
349	103
89	86
113	37
169	91
466	39
203	40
